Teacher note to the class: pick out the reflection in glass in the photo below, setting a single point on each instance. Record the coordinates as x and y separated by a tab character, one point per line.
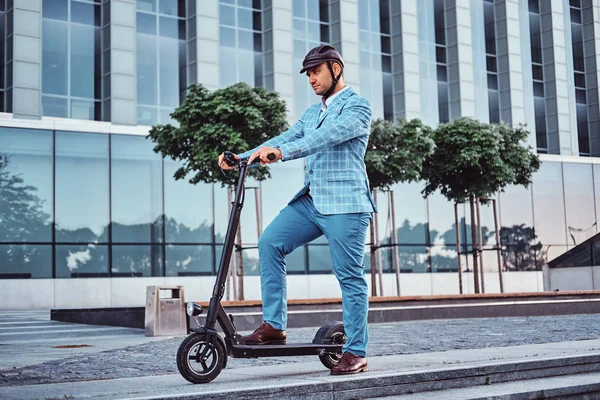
85	261
188	209
189	260
82	203
411	258
25	185
548	204
138	260
55	61
21	261
579	202
55	107
136	175
319	259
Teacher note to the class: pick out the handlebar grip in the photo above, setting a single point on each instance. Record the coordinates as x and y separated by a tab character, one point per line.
229	158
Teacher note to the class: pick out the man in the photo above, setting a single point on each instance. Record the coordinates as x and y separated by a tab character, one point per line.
335	202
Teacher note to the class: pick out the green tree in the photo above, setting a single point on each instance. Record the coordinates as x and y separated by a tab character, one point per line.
236	118
474	160
395	153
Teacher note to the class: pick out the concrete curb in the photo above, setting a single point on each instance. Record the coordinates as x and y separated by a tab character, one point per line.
365	386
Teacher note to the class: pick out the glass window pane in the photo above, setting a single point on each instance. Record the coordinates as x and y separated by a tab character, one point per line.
412	259
245	3
227	36
136	190
244	18
84	13
579	196
246	67
147	116
146	5
25	185
189	260
299	7
299	28
228	65
82	208
82	56
319	260
549	205
245	40
54	57
86	261
312	10
363	14
169	27
56	9
25	261
146	23
227	15
54	107
147	85
188	209
169	72
168	7
314	31
136	261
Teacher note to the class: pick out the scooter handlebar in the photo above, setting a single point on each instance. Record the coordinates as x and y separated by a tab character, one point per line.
230	159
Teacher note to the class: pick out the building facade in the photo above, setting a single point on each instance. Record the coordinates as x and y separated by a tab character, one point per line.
90	215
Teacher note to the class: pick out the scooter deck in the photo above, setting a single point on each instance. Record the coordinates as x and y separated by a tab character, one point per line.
292	349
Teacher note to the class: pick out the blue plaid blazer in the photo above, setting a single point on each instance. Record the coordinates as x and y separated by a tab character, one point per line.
334	144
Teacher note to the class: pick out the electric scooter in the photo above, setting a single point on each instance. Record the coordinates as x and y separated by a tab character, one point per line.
203	354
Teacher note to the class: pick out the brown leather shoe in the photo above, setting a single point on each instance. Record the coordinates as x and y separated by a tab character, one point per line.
350	364
265	334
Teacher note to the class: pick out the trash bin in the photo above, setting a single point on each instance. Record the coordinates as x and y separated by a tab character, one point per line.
165	311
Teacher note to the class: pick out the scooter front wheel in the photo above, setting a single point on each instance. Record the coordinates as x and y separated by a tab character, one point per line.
200	360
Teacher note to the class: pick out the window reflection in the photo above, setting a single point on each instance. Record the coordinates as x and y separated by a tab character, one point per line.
22	261
85	261
161	59
138	260
189	260
136	190
188	209
71	60
25	185
548	204
82	203
579	202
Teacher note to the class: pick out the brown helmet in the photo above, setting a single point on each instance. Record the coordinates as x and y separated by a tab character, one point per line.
319	55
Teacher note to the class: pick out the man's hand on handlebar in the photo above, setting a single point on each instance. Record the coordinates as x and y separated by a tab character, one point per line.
263	155
223	164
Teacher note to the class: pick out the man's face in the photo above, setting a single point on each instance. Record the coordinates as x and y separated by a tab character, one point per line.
320	78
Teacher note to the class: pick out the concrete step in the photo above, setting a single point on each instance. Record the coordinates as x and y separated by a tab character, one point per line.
559	370
573	387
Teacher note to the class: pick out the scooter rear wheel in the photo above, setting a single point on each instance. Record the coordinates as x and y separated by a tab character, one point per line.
199	360
331	333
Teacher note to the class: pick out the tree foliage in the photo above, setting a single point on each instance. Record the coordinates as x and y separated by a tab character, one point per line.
396	151
236	118
477	159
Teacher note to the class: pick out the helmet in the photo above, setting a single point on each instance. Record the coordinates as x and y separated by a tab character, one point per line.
319	55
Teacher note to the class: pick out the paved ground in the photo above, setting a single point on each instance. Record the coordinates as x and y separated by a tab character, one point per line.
29	353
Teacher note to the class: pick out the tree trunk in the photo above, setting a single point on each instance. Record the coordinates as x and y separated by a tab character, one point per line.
460	282
480	245
498	248
474	245
395	239
373	262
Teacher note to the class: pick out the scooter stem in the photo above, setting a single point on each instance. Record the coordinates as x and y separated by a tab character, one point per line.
234	220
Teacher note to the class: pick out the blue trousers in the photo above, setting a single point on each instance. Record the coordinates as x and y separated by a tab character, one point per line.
297	224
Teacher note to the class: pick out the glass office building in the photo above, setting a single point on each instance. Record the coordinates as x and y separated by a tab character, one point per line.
90	215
